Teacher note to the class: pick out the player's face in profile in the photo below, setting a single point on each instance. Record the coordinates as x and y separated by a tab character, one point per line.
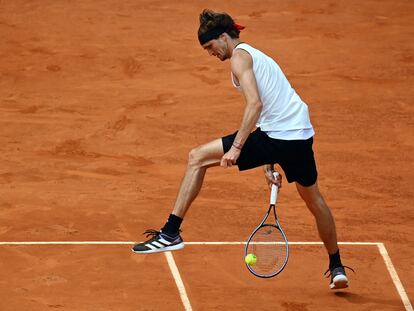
218	48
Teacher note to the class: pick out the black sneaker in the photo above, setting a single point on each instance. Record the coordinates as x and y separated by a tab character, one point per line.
338	277
159	242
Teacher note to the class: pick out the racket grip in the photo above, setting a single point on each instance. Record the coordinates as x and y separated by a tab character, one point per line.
273	193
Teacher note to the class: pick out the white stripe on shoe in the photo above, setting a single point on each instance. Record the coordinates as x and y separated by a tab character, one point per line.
163	241
153	249
159	245
150	246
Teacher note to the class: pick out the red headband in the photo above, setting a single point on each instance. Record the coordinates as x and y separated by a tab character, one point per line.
237	26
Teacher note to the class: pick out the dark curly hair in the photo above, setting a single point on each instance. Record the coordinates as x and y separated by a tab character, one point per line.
210	20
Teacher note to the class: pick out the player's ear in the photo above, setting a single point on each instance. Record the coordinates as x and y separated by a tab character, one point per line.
224	36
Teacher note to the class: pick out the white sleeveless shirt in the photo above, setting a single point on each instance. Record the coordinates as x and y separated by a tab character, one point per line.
284	115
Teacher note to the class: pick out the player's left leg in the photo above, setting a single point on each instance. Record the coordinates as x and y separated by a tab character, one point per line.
327	231
168	238
199	159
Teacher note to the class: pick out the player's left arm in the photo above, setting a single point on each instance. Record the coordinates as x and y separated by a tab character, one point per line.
242	68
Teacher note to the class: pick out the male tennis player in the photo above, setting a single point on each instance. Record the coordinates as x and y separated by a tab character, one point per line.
275	129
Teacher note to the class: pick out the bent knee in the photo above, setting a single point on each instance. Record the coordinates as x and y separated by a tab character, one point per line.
195	157
206	155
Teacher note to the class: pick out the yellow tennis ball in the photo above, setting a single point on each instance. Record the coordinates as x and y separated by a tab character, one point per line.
250	259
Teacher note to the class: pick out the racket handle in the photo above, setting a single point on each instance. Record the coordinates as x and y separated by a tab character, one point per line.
273	193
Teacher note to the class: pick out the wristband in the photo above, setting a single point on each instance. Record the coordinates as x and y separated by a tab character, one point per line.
237	145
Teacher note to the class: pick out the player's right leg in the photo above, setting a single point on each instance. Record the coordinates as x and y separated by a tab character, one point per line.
168	238
322	213
327	231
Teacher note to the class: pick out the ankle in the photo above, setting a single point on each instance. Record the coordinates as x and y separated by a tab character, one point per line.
172	226
335	260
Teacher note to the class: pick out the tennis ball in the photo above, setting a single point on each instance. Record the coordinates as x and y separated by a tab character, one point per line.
250	259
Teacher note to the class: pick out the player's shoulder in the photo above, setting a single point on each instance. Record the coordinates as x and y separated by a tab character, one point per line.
241	57
240	54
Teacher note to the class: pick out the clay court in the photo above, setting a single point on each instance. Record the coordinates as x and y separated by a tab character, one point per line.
100	103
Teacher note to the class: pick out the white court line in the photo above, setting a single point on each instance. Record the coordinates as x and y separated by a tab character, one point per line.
394	276
381	247
281	243
178	281
187	243
70	243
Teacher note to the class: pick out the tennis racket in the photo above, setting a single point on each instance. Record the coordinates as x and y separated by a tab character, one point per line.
268	243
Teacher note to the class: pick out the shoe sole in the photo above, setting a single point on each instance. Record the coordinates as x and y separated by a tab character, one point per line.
338	282
160	250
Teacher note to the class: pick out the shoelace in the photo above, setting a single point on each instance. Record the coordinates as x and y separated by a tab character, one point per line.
151	232
154	233
330	273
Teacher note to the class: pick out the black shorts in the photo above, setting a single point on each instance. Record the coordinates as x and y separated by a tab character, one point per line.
294	156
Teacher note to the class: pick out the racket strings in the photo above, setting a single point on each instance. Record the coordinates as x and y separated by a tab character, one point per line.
269	246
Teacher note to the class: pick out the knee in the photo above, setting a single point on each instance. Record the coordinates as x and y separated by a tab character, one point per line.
313	199
195	158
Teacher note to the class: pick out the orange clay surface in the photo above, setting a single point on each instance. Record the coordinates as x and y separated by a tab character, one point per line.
100	103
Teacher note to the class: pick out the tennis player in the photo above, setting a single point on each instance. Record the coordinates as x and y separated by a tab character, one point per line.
275	129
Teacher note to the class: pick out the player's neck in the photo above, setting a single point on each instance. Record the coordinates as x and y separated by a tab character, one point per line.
233	44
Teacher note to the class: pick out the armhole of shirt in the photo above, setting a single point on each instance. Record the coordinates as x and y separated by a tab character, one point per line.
244	49
233	81
232	75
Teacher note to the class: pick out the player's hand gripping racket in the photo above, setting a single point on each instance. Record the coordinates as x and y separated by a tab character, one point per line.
267	249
